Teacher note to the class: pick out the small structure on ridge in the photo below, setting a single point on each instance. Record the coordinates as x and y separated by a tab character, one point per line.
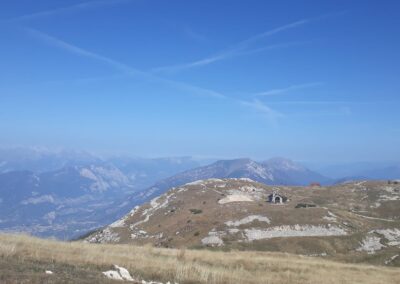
276	198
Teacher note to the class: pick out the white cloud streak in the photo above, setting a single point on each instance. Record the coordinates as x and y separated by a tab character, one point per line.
237	49
124	68
242	47
222	56
289	89
67	9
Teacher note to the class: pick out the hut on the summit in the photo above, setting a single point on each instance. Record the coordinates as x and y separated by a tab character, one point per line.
276	198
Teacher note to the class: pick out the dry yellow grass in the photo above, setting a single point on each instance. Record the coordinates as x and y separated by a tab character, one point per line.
195	266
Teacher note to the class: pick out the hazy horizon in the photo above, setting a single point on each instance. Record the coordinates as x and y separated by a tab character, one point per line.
313	164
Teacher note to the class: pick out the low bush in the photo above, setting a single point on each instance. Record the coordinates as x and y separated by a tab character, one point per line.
196	211
305	205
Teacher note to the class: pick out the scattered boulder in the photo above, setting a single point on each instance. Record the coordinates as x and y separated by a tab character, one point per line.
112	274
119	273
122	274
370	244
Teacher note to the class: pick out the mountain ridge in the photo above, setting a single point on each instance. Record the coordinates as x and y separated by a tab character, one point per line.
357	221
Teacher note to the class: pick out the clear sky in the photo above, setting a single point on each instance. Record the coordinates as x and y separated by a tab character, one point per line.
308	80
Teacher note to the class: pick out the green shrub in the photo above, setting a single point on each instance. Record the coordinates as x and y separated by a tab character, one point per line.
196	211
305	205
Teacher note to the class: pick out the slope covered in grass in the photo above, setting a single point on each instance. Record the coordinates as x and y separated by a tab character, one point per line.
24	260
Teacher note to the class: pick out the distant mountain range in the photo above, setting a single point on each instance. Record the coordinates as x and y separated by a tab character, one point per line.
277	171
141	172
84	193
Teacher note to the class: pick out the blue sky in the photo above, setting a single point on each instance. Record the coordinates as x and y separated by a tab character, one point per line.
308	80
